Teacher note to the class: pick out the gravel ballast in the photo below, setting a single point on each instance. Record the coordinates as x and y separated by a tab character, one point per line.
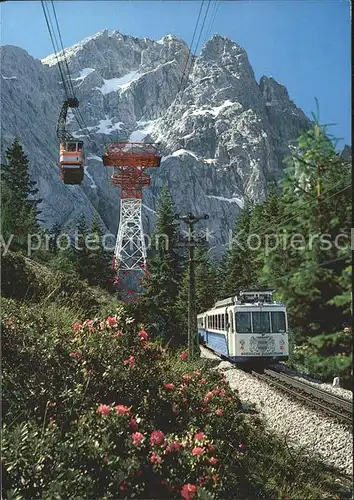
301	426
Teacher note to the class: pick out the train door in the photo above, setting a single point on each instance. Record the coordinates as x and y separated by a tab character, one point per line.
231	331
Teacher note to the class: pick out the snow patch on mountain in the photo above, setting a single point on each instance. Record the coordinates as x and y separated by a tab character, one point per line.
180	152
9	77
121	83
106	126
239	201
83	74
212	111
87	173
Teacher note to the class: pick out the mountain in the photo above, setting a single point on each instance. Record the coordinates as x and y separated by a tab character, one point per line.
223	136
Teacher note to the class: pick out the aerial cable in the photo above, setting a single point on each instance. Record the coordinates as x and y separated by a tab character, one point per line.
197	45
297	213
63	51
55	51
191	45
313	266
82	124
213	17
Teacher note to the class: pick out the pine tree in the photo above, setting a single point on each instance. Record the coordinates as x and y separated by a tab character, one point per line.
157	302
239	269
17	197
314	201
79	253
98	269
55	231
206	287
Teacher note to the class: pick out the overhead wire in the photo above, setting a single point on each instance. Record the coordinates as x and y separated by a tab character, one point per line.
66	79
191	46
316	202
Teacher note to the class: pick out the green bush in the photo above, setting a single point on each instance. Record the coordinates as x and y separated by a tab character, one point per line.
96	410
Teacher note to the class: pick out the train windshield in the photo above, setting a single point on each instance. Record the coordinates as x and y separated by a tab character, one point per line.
278	322
243	322
260	322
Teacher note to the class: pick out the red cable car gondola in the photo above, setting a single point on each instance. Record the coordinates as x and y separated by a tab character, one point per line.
71	156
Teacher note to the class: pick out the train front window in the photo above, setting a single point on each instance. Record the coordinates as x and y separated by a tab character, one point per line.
261	323
243	322
79	146
278	322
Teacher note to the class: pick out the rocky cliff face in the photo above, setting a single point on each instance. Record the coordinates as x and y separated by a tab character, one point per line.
223	136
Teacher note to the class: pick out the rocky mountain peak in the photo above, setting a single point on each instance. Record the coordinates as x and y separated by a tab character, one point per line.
223	136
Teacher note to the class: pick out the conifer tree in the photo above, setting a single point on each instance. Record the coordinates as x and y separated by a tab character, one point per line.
55	231
158	300
98	269
239	270
315	201
17	197
206	287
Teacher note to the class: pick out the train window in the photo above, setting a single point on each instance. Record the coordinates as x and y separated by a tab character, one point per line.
71	146
261	322
219	322
278	322
223	321
79	146
243	322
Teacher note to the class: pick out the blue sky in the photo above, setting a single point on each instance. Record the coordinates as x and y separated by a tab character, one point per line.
305	45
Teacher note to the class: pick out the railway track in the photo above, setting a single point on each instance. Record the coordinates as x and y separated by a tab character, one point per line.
334	406
338	408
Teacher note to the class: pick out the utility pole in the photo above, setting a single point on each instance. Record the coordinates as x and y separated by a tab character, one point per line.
191	243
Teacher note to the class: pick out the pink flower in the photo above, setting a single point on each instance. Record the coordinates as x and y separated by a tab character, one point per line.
188	491
185	400
242	447
111	321
183	387
104	409
123	486
219	412
155	459
202	481
202	380
197	373
186	377
199	436
197	451
102	325
122	410
157	437
213	460
130	361
77	355
215	478
77	327
137	437
133	424
229	398
143	335
169	386
88	323
118	333
184	355
208	396
174	446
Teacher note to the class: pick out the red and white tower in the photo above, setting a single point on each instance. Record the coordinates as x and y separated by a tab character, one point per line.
130	161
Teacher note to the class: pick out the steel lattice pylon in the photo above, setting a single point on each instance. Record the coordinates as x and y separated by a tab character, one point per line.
130	160
130	249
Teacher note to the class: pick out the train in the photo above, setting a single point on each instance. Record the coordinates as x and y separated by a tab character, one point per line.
250	328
